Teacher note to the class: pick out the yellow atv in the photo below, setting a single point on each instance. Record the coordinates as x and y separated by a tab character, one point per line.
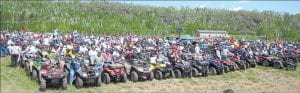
162	70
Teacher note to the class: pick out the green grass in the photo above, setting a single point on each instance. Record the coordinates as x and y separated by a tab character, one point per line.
284	72
14	80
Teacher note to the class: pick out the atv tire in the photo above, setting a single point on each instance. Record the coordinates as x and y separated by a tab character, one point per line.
124	78
65	83
291	68
212	71
253	65
158	75
195	72
247	65
106	78
177	73
134	76
98	81
34	75
78	82
226	69
277	65
43	84
266	63
27	69
172	74
151	76
220	71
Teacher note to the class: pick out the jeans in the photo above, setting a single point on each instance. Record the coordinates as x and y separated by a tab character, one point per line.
3	51
72	75
14	60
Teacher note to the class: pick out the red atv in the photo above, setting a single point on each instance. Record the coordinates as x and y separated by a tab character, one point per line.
241	64
52	74
266	60
230	65
114	72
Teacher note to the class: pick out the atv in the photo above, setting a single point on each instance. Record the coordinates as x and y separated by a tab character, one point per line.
286	61
52	74
138	69
250	61
33	66
89	74
162	69
183	68
27	61
114	72
229	65
195	69
217	67
265	60
201	66
242	64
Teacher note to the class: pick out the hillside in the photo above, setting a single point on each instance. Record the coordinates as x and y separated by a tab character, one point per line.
108	17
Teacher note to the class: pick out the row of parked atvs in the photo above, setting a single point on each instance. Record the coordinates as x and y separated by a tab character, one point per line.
55	71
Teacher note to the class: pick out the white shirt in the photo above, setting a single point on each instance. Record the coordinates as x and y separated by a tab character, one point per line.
92	53
82	49
14	50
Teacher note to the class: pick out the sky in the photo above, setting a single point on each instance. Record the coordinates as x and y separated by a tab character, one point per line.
292	7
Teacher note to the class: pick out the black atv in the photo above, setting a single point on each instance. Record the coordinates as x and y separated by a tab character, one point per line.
287	62
184	69
201	66
89	74
138	69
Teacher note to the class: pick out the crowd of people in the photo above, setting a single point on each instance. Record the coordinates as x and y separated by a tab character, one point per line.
101	49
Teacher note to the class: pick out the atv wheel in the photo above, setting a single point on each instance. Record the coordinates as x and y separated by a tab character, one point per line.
158	75
78	82
172	74
247	65
277	65
212	71
194	72
226	69
65	83
177	73
27	69
265	63
34	75
236	67
291	68
253	65
98	81
43	85
151	76
124	78
243	66
106	78
134	76
221	71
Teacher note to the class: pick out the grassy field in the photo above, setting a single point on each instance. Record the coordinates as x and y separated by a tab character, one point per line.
258	80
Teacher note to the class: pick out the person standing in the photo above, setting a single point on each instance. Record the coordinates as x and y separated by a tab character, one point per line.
15	52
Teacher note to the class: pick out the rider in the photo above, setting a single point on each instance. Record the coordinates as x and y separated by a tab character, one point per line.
15	52
74	67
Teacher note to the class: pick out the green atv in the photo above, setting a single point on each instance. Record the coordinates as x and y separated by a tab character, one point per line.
33	67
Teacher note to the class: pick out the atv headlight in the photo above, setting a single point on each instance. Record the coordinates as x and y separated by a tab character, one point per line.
140	69
96	74
84	74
